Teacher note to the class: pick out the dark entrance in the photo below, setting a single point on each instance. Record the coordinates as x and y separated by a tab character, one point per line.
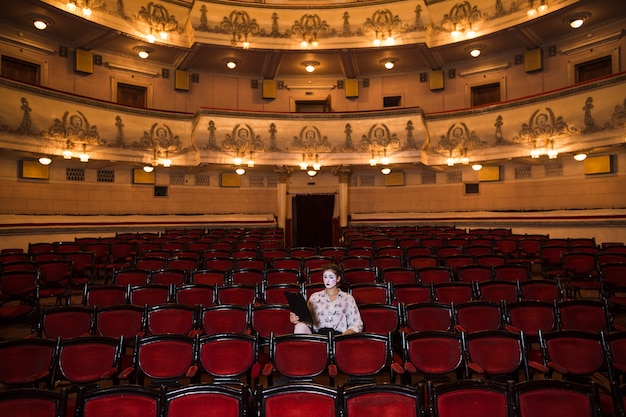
313	219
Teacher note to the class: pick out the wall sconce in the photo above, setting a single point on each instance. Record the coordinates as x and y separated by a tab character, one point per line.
167	162
460	19
44	160
533	11
383	24
305	164
384	160
143	51
310	66
240	155
240	171
547	150
84	157
389	63
72	6
308	29
231	63
240	26
67	152
581	156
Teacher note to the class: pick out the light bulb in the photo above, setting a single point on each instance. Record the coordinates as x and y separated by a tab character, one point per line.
237	161
450	162
163	35
245	45
167	162
310	68
40	24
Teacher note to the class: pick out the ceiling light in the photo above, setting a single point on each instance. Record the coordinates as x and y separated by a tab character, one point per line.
44	160
167	162
385	170
577	21
143	51
477	167
71	5
67	154
240	171
475	52
310	66
312	172
148	168
231	63
389	63
581	156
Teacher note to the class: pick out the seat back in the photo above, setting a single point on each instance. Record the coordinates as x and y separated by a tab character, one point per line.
496	354
31	402
585	315
120	400
547	398
103	295
195	295
65	322
371	293
117	321
476	316
164	358
312	400
224	318
88	360
171	319
209	400
150	294
27	362
286	353
434	354
380	318
470	398
228	356
361	356
382	400
428	316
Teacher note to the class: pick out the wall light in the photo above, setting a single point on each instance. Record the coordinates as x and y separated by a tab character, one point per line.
143	51
389	63
44	160
581	156
310	66
84	156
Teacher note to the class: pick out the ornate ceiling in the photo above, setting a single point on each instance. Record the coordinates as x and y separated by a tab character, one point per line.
202	35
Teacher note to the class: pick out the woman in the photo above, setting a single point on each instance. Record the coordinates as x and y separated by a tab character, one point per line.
331	309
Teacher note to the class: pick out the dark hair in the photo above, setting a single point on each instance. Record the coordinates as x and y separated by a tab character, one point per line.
333	267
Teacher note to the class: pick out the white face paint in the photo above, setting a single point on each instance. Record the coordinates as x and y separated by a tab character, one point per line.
330	279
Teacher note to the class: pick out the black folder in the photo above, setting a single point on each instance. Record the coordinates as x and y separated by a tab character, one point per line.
298	305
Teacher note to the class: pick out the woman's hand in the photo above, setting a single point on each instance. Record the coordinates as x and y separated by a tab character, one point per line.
349	331
294	318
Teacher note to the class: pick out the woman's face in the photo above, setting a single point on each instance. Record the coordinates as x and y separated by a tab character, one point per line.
330	279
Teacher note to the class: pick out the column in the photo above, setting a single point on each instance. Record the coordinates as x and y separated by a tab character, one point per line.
281	195
344	178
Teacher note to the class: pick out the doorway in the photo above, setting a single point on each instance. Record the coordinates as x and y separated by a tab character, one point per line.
313	219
